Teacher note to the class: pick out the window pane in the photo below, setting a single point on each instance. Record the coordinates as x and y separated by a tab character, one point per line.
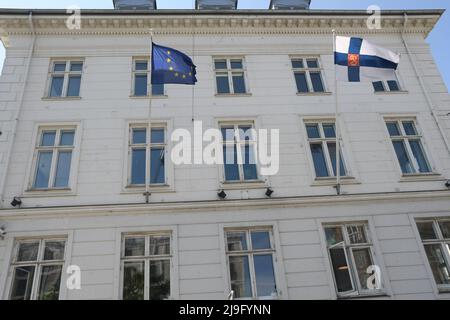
28	251
159	245
134	247
357	234
437	263
139	135
445	228
220	64
316	80
341	270
159	279
319	160
157	89
332	152
410	129
133	281
54	250
302	84
59	67
334	235
312	63
76	66
157	135
378	86
67	138
138	166
228	133
63	169
50	282
240	277
56	86
363	260
419	155
236	64
48	138
260	240
328	130
73	89
230	163
393	129
140	85
141	65
223	85
313	131
393	85
239	83
43	169
297	63
426	230
402	157
22	283
245	133
237	241
265	277
249	163
157	165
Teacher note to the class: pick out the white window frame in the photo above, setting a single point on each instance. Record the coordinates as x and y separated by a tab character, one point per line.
348	248
250	253
55	149
239	144
38	263
405	138
307	71
146	259
147	72
441	241
386	87
66	75
230	72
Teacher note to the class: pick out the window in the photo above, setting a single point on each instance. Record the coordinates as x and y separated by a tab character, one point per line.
407	143
230	76
143	145
350	253
146	264
142	79
37	268
239	152
322	142
53	158
308	75
250	255
386	86
65	78
435	235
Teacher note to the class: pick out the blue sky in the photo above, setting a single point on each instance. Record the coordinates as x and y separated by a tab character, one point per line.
438	38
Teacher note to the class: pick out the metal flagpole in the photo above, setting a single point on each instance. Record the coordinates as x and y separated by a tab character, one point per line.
338	131
147	193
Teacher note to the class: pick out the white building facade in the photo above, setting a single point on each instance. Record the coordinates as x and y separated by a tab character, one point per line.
74	145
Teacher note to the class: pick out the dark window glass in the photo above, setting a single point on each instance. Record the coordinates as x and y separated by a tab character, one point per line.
316	80
228	134
265	276
402	156
54	250
141	66
297	64
157	89
260	240
48	138
76	66
133	281
239	83
28	251
363	260
426	230
220	64
223	86
157	135
240	276
139	135
73	90
159	245
249	163
138	166
332	152
419	155
22	283
393	85
43	169
437	262
59	67
302	84
236	64
237	241
63	169
140	85
159	279
393	129
50	282
313	131
341	270
230	163
318	156
134	247
67	138
328	130
312	63
410	129
157	172
378	86
334	235
56	86
445	228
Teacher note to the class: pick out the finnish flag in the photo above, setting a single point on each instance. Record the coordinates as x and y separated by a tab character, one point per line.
358	60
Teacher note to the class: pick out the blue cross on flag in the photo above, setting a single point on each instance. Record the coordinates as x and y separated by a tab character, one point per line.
358	60
172	66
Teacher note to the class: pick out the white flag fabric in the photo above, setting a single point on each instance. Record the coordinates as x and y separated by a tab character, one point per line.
358	60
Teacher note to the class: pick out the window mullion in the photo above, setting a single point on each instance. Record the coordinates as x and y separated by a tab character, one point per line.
147	154
252	275
309	81
65	85
328	159
240	162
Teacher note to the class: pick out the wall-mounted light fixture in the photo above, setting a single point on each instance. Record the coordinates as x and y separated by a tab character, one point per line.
222	194
16	202
269	192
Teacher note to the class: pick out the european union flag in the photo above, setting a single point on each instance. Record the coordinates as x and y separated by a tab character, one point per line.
171	66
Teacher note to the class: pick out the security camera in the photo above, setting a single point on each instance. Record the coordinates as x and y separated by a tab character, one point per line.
16	202
447	184
2	233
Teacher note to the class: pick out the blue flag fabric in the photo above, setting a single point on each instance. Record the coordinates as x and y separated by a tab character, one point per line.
172	66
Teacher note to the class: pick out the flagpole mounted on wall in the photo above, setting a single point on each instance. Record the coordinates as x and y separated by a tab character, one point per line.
338	131
147	193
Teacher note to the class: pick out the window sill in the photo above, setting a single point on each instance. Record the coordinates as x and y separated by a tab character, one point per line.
417	177
381	93
163	188
222	95
241	185
41	193
148	97
60	98
303	94
365	296
320	182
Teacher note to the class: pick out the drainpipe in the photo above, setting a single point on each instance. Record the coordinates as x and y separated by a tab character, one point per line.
18	108
422	85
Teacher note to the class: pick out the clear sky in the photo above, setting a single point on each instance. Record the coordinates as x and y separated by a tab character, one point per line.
438	38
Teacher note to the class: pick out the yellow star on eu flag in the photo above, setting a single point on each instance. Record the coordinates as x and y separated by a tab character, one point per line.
169	60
